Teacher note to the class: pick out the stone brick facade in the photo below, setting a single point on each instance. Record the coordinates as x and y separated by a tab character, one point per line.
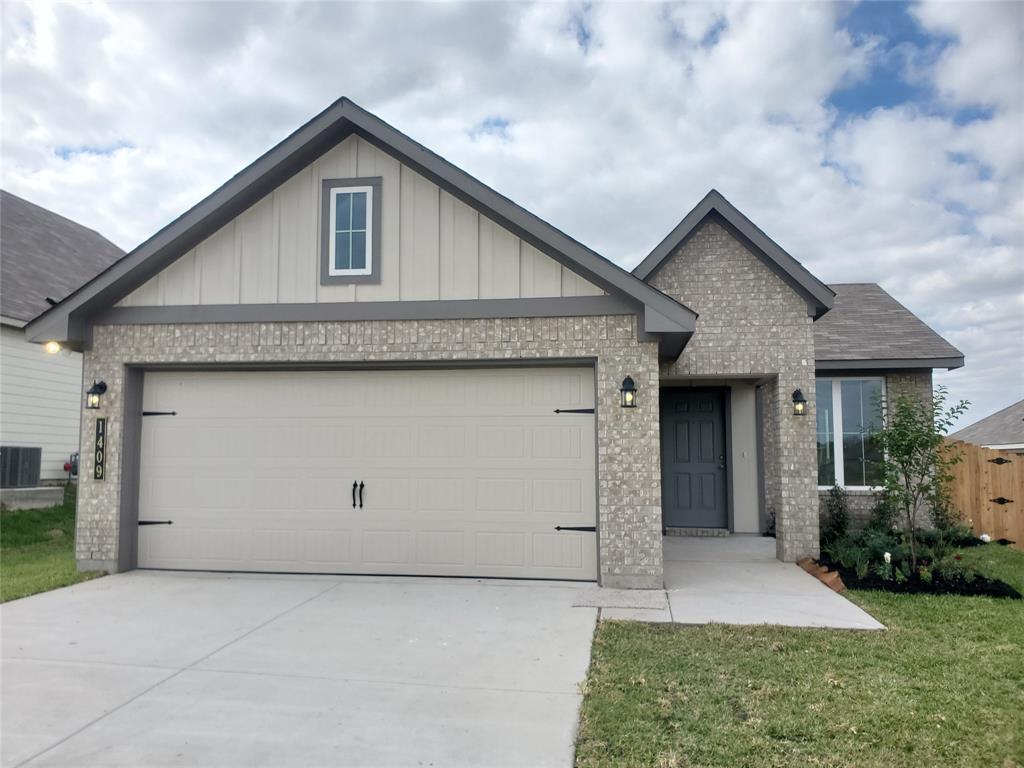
629	492
753	325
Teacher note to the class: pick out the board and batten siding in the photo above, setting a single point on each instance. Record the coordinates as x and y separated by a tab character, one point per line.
433	246
40	399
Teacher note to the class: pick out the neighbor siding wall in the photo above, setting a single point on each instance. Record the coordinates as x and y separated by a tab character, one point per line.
432	246
753	325
40	399
629	485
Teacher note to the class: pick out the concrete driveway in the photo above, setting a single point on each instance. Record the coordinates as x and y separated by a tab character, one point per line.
148	668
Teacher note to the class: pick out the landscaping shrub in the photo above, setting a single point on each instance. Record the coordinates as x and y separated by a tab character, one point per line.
837	521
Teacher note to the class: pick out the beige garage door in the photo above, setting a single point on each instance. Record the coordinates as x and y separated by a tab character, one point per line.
464	472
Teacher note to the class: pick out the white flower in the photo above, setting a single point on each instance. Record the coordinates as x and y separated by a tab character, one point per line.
888	558
985	537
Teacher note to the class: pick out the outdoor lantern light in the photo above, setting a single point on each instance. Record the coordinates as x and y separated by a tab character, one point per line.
52	347
628	390
92	395
799	403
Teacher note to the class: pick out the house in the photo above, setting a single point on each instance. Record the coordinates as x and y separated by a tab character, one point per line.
43	257
354	357
1003	430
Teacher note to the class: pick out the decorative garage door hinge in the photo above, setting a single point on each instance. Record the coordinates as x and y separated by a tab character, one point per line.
159	413
1001	500
999	461
574	410
592	528
156	522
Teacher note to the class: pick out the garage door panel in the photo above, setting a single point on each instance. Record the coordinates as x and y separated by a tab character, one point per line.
465	472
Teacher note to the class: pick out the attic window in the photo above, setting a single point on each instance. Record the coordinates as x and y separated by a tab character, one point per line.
350	231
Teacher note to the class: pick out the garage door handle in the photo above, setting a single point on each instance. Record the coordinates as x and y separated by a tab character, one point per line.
354	486
360	494
576	528
156	522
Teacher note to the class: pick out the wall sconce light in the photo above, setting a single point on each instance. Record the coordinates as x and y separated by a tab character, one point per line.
52	347
799	403
628	391
93	394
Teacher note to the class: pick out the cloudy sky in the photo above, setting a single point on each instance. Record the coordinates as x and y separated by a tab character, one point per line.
875	142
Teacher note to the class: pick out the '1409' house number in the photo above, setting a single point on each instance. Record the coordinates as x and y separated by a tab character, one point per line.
101	448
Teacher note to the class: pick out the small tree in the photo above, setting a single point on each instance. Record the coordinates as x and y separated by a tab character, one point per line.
916	462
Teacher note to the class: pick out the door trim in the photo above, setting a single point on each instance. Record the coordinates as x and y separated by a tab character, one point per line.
726	396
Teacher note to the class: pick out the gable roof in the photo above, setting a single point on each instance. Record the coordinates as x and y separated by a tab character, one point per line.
44	255
1005	427
68	321
714	204
868	328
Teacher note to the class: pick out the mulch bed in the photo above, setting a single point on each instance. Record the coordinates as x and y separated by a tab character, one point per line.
914	586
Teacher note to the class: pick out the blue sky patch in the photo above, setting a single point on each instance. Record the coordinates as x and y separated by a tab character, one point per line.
493	125
65	152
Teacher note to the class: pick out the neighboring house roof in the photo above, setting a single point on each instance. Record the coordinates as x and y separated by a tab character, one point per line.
868	328
660	314
1005	427
44	255
815	292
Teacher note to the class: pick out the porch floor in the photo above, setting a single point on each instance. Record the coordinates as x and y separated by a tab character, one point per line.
737	580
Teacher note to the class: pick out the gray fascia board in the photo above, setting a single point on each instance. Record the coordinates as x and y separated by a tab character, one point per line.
295	152
890	364
795	274
570	306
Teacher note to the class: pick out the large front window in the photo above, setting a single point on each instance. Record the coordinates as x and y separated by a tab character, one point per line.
849	414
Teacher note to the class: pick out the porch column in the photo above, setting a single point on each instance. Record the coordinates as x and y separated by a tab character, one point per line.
790	456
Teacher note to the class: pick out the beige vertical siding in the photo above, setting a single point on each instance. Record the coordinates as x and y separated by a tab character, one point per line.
40	399
432	246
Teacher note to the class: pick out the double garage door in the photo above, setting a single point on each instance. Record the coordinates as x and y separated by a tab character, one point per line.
459	472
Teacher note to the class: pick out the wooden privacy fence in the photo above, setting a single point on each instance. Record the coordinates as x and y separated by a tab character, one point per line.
988	490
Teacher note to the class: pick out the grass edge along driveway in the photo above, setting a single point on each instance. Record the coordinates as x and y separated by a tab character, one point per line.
944	686
37	549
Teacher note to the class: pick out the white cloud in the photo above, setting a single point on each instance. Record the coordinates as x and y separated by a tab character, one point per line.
612	141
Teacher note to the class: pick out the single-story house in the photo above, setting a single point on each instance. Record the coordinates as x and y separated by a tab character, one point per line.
1002	430
354	357
43	258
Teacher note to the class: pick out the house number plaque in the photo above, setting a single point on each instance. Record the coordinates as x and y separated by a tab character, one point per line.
101	448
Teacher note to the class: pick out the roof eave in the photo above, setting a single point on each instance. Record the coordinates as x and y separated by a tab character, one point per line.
819	296
68	321
891	364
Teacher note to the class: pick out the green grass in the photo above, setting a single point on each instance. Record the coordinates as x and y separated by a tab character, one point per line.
944	686
996	562
37	549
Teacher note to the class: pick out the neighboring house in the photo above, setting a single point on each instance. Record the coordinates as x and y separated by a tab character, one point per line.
354	357
1003	430
42	256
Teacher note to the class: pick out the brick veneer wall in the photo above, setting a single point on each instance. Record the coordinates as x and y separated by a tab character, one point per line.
629	492
752	324
860	503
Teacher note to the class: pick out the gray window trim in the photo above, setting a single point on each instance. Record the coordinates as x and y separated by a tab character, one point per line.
326	278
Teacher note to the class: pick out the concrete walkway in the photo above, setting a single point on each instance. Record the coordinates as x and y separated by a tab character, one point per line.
148	668
733	580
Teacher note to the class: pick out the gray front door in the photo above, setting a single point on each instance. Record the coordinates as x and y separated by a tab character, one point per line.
693	474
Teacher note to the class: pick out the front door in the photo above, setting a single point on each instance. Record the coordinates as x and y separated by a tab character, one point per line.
693	469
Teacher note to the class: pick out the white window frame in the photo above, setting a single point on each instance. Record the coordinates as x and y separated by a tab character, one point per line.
837	429
333	231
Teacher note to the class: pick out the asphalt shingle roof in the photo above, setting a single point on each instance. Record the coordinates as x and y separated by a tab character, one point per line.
1005	427
44	254
866	323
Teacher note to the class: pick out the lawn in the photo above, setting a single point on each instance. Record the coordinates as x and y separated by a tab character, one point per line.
37	549
944	686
